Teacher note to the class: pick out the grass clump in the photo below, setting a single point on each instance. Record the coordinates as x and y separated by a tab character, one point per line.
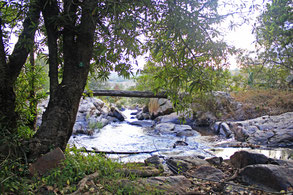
15	178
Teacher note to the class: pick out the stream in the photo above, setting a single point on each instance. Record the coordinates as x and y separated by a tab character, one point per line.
124	137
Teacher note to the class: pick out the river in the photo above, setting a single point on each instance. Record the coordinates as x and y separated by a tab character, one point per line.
124	137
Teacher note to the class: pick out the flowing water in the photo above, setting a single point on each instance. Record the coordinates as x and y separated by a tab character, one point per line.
124	137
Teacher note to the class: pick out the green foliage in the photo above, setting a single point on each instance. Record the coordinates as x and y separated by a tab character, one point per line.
257	73
185	84
274	33
14	176
32	79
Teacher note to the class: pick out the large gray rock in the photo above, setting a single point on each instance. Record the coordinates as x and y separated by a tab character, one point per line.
223	129
114	112
271	177
143	123
243	158
143	116
273	131
184	131
176	118
207	172
178	130
154	160
159	107
165	127
184	163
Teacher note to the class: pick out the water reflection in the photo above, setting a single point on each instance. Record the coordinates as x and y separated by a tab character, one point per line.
278	153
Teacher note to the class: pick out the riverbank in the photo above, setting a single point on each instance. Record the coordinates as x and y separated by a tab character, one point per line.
194	158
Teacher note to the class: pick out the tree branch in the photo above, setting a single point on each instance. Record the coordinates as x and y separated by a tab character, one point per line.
3	64
50	12
25	41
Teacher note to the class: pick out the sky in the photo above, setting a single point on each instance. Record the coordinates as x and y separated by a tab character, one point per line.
242	36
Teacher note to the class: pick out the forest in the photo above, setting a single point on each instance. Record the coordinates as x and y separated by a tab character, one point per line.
60	51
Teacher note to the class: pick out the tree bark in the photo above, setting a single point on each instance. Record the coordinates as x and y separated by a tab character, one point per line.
60	115
119	93
9	71
51	13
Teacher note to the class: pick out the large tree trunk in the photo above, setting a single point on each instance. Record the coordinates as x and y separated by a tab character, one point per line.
60	115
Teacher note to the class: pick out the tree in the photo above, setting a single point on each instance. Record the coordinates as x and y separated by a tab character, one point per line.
103	36
274	34
10	67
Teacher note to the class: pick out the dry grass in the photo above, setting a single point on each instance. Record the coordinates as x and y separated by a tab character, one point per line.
265	102
153	105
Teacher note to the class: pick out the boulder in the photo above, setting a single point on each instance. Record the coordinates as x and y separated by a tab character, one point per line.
153	160
143	116
242	159
273	131
165	127
159	107
112	119
145	109
187	133
47	162
179	128
207	172
223	129
114	112
143	123
182	164
240	133
271	177
184	131
175	118
99	104
85	106
215	160
166	107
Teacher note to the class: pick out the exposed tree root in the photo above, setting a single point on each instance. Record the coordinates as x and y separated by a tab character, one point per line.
81	185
